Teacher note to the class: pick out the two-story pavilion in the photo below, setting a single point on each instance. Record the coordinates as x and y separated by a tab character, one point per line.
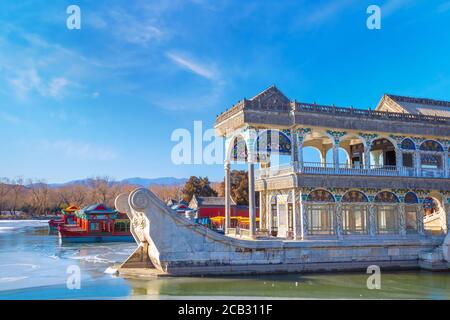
387	172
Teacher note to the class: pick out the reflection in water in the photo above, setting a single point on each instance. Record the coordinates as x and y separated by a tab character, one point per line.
404	285
33	266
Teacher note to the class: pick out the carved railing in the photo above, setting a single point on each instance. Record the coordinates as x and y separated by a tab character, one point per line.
382	115
344	111
275	171
346	169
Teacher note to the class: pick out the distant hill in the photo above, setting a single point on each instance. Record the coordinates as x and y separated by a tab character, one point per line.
144	182
165	181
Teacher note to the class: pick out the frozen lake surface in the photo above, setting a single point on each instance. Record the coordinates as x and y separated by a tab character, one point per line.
33	265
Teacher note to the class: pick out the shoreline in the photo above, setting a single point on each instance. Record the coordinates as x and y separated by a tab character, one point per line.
29	219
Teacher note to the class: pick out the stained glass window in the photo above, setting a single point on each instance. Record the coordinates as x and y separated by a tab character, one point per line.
320	196
273	141
411	197
408	144
386	197
354	196
431	145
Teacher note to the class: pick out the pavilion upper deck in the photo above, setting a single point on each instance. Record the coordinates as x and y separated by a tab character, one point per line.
272	109
403	137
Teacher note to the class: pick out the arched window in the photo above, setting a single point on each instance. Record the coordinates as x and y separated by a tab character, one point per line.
382	153
320	196
432	159
432	210
387	213
354	196
320	213
354	213
408	144
239	152
273	141
386	197
411	198
430	205
431	145
411	201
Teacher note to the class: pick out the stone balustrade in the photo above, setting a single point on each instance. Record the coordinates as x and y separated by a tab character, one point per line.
344	169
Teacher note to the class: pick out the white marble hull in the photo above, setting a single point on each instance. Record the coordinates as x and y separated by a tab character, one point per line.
174	245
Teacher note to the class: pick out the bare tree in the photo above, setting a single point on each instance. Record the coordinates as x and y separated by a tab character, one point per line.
39	197
101	187
5	188
17	189
72	195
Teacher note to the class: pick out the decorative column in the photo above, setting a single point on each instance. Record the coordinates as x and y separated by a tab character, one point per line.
372	220
295	213
445	163
294	149
419	219
300	155
336	135
336	157
251	199
399	158
338	224
227	196
417	162
368	138
269	213
303	219
398	151
444	216
447	210
262	210
402	219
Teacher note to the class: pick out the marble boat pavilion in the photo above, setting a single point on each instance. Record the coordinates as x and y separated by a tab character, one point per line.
393	183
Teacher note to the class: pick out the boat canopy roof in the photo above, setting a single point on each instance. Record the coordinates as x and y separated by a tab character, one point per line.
72	208
97	209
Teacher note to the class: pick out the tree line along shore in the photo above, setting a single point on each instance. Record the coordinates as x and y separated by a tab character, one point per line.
35	199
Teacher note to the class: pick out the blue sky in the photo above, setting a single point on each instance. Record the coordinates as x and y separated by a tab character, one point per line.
105	99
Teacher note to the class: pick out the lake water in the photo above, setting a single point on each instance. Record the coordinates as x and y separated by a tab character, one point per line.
33	265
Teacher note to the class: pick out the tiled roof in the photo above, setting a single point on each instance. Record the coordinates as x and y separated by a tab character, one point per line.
421	101
212	201
429	107
98	208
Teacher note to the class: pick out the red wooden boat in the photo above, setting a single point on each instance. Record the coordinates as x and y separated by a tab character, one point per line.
97	223
68	217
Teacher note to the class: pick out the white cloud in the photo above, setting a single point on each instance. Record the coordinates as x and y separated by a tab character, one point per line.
56	86
79	150
9	118
29	81
201	70
133	29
